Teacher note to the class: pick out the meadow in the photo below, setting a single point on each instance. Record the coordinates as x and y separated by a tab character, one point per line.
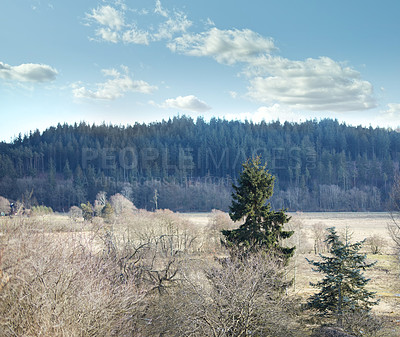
63	276
384	275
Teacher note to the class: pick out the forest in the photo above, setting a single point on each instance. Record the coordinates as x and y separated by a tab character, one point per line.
189	165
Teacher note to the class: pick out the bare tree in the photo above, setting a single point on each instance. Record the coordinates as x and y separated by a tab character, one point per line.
99	203
4	206
376	243
217	222
101	198
122	205
58	286
235	297
75	213
394	226
319	234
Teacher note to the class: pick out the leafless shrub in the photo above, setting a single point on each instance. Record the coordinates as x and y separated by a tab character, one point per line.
121	205
4	206
168	230
394	226
217	221
363	324
99	203
327	331
59	287
376	244
319	235
75	213
235	297
149	264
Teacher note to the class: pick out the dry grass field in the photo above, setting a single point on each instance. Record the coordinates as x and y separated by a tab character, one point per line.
385	275
44	244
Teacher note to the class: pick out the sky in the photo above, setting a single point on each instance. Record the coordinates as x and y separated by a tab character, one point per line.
128	61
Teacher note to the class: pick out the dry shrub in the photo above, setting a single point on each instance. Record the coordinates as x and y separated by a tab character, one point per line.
376	244
217	221
299	238
327	331
177	233
75	213
121	205
319	235
234	297
363	324
58	287
394	204
149	264
4	206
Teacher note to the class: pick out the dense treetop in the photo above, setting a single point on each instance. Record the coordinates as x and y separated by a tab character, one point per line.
333	166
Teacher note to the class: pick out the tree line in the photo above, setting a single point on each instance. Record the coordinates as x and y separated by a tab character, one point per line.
190	165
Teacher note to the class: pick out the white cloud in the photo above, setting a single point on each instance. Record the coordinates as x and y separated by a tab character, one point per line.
115	27
108	35
270	113
225	46
160	10
173	25
190	103
314	84
108	16
136	36
27	72
233	94
389	117
393	110
116	87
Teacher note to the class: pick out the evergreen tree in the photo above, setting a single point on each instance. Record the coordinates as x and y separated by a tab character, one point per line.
262	228
67	171
87	211
342	290
107	212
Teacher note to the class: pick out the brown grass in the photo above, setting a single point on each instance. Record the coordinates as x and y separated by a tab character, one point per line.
60	277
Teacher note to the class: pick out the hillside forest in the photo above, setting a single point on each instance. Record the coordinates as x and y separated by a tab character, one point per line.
189	165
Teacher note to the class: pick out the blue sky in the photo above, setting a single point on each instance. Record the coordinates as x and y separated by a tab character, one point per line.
127	61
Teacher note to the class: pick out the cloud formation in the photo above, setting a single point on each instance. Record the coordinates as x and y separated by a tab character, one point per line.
225	46
114	26
189	103
108	16
314	84
270	113
393	110
389	117
27	72
113	88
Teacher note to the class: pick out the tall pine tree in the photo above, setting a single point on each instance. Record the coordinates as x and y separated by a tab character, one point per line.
262	228
342	290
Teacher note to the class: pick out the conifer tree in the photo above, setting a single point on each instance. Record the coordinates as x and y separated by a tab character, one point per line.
107	212
262	228
87	211
342	290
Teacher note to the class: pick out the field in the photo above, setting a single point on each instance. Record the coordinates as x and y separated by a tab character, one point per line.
384	275
44	237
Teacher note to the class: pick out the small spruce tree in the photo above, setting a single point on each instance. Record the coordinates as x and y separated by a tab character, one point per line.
107	212
87	211
342	290
262	228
